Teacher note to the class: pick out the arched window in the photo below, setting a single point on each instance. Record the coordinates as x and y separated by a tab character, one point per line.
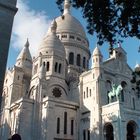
108	132
124	85
56	65
131	130
71	58
65	122
84	62
78	60
48	66
58	125
59	68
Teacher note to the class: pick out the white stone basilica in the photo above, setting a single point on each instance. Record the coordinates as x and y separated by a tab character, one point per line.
55	96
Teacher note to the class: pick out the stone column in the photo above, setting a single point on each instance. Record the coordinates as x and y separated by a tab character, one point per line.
7	11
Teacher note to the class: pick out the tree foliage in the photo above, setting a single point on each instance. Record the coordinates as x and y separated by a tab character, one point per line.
110	19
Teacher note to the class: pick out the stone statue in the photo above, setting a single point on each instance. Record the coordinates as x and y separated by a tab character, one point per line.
116	90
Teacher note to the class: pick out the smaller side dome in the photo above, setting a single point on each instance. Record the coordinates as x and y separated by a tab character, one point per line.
24	59
97	51
51	43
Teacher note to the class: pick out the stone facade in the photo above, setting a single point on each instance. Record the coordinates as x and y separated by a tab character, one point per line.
7	11
55	96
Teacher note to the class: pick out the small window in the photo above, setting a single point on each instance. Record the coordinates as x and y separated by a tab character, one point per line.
122	96
72	37
78	60
64	36
18	77
88	135
58	125
72	127
87	92
79	39
65	122
90	92
96	59
71	58
44	64
84	95
84	62
133	103
59	68
56	65
93	76
48	66
84	134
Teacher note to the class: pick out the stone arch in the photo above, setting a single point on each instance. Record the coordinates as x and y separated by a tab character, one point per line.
108	131
31	91
131	130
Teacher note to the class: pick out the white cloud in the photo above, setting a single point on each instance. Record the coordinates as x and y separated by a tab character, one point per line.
29	24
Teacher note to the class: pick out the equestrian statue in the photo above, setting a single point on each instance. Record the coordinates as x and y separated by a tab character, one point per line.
116	90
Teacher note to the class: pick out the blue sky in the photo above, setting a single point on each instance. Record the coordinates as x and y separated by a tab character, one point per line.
33	19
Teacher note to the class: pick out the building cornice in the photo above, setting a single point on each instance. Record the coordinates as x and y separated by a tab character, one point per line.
8	7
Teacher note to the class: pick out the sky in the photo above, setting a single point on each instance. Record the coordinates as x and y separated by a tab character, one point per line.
33	20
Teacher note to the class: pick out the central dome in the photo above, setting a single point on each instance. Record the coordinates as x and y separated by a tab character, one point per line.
68	23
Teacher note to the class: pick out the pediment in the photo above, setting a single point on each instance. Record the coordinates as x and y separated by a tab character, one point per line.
118	66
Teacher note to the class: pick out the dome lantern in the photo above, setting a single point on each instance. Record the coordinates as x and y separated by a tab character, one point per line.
67	6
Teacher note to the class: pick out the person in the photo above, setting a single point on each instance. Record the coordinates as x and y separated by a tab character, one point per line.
15	137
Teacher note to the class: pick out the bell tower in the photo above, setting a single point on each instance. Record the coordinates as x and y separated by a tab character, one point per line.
7	12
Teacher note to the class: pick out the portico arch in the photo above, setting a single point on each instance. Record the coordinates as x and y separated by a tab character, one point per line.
108	132
131	130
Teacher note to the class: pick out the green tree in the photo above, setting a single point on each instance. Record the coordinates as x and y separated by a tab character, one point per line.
109	18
